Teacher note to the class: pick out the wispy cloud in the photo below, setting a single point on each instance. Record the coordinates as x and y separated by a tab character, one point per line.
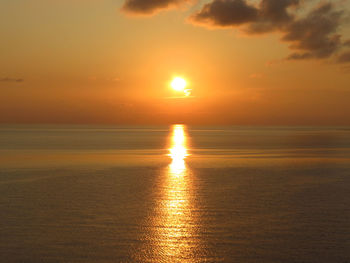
7	79
256	76
113	79
150	7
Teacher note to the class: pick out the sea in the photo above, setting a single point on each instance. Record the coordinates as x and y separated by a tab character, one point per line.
176	193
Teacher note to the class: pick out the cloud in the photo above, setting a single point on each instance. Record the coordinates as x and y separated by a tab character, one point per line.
225	13
7	79
311	35
150	7
315	36
273	15
277	10
347	43
266	16
311	30
344	57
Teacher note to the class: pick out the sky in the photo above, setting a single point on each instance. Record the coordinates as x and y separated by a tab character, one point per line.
246	62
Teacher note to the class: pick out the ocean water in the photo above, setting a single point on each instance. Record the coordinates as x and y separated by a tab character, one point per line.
174	194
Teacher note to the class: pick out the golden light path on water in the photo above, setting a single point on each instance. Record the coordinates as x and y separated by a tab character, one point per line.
178	152
174	237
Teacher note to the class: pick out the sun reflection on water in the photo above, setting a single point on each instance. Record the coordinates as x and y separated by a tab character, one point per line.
172	226
175	231
178	151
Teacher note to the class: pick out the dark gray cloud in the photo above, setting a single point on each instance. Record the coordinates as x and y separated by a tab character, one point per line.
267	16
226	13
149	7
277	10
313	34
7	79
273	15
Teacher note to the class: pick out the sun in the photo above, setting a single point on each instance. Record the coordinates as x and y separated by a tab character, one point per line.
178	84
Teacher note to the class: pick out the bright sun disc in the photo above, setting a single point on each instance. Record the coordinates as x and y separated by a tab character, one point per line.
178	84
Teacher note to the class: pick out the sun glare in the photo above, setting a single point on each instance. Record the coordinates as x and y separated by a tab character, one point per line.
178	84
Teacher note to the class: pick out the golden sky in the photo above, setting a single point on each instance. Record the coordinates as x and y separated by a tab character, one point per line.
252	62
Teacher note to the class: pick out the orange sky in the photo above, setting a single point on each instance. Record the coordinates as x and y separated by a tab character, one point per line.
110	62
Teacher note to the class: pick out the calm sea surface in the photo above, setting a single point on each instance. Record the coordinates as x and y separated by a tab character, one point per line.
174	194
